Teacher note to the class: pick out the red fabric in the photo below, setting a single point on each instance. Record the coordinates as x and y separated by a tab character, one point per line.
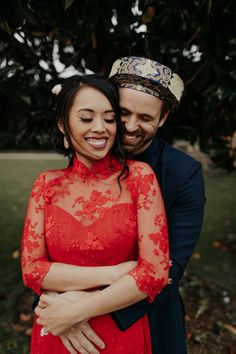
80	216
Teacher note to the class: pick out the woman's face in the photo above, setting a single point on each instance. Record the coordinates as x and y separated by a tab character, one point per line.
92	125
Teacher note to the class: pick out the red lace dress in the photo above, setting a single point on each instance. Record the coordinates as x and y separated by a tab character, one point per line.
79	216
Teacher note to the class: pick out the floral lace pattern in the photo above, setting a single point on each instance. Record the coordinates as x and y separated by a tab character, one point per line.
80	216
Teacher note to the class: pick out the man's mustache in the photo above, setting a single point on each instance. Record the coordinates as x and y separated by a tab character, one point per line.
136	132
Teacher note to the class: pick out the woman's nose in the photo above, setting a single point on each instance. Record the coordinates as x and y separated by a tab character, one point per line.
99	125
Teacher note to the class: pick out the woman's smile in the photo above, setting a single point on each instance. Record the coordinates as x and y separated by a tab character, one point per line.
92	125
97	143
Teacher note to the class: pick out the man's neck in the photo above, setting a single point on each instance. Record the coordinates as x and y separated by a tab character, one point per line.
147	155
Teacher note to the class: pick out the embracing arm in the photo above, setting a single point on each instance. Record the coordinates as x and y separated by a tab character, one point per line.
64	277
185	219
39	272
147	279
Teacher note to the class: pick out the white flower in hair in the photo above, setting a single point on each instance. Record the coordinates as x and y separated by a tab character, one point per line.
57	89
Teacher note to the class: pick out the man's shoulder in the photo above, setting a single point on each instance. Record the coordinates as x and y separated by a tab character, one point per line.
180	176
177	161
172	152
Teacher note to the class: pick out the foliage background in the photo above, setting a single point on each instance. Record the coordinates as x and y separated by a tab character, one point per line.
40	43
40	40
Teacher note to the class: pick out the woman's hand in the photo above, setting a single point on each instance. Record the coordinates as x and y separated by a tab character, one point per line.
42	304
57	316
80	337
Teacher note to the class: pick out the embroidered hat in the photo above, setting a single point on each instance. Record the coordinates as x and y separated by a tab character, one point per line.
148	76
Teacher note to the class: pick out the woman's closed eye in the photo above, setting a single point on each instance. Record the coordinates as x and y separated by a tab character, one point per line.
109	119
86	119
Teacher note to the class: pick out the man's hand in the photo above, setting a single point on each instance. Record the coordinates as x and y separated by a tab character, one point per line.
82	338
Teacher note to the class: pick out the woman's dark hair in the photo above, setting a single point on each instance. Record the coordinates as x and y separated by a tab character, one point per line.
64	102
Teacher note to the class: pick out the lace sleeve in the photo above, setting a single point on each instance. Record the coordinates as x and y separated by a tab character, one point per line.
34	259
151	273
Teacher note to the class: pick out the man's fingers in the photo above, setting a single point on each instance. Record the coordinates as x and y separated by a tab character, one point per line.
68	345
87	346
83	339
79	345
91	335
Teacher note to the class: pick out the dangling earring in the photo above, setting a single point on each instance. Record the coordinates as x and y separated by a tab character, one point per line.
66	144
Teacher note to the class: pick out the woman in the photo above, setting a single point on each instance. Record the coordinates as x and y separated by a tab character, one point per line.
86	223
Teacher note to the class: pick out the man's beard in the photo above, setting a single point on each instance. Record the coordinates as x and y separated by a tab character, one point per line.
144	141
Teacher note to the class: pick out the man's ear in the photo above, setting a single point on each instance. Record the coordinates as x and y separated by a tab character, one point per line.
61	127
163	118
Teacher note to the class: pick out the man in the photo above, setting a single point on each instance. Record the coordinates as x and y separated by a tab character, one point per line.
148	92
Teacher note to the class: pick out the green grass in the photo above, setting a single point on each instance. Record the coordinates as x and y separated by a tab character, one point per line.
16	178
215	265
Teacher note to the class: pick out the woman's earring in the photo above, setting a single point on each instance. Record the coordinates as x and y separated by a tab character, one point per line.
66	144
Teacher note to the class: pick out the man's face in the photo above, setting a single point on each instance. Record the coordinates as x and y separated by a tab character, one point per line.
141	117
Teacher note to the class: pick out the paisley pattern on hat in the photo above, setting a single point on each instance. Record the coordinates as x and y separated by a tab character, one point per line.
148	76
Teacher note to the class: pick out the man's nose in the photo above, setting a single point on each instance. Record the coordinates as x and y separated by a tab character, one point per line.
99	125
131	123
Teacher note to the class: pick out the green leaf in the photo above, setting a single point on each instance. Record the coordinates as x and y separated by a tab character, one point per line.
67	3
15	91
5	71
4	25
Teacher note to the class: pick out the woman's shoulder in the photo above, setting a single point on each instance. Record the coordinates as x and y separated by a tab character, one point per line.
141	178
50	175
139	167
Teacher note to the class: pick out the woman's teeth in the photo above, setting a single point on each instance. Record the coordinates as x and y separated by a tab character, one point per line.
96	142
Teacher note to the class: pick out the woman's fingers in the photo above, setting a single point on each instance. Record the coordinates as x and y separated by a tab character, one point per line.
47	298
37	310
42	304
49	292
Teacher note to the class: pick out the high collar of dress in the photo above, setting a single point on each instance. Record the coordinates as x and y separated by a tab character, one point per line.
102	168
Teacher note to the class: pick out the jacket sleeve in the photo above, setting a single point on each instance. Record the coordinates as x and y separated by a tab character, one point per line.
34	257
185	217
185	220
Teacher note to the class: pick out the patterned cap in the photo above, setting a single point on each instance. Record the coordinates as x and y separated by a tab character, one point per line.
148	76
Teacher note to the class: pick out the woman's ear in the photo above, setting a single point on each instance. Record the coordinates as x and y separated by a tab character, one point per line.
61	127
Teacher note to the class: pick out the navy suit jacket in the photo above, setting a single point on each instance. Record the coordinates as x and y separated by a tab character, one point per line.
182	187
